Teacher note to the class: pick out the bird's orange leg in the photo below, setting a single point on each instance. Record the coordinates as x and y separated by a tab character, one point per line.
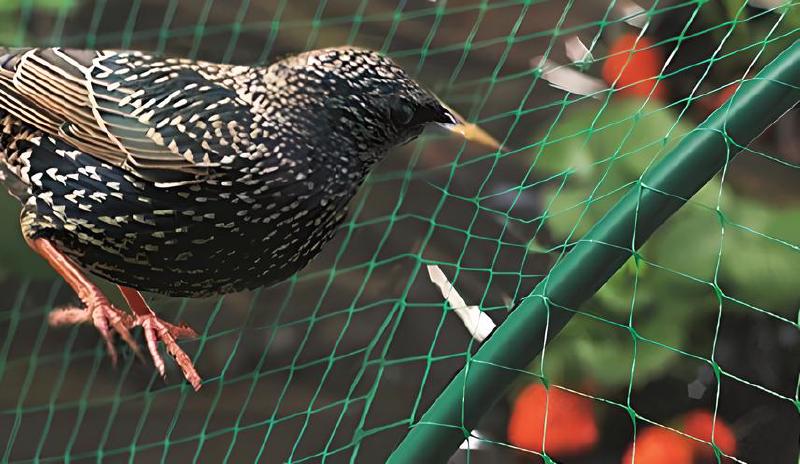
98	310
156	329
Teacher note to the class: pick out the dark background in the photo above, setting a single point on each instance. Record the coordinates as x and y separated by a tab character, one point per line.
338	361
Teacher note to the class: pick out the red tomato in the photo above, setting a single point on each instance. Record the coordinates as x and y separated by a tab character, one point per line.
655	445
571	424
700	423
715	100
633	67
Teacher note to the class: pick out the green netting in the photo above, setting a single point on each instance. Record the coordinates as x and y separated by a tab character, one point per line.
337	363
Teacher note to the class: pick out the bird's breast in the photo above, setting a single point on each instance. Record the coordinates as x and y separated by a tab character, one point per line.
196	240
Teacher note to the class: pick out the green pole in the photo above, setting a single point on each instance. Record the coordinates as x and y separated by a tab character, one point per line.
663	189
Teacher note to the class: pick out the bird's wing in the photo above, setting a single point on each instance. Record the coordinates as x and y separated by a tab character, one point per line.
166	120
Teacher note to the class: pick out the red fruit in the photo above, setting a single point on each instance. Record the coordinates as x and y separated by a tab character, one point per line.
724	95
714	101
700	423
655	445
633	67
571	425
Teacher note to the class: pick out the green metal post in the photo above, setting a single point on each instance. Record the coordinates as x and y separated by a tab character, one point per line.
701	154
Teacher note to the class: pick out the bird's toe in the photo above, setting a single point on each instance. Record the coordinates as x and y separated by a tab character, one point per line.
156	329
106	318
113	319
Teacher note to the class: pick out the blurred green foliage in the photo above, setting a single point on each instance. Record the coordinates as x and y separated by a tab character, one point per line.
15	256
752	26
12	6
744	33
604	149
12	28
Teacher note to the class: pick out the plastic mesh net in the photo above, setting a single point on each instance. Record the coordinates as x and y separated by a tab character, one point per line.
337	362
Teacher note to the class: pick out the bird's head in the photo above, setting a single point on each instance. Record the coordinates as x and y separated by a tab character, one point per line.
369	99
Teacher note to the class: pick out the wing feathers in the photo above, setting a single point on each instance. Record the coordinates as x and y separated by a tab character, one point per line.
160	119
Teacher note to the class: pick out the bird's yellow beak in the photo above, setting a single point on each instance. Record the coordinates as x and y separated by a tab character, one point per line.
471	132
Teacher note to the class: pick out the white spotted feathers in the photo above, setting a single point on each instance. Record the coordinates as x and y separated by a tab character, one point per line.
192	178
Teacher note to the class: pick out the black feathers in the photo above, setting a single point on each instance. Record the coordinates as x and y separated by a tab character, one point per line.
192	178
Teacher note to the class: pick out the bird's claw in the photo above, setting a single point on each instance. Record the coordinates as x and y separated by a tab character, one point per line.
109	319
154	330
106	318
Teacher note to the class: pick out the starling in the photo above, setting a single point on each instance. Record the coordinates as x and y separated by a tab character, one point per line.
190	178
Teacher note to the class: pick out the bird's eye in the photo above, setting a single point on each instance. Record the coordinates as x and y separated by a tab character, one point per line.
402	112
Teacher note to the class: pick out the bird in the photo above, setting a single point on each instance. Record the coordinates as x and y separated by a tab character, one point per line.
190	178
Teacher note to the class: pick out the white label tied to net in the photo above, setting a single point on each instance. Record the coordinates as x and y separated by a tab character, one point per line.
476	321
577	51
568	79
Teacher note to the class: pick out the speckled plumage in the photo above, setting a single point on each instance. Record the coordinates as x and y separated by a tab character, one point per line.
190	178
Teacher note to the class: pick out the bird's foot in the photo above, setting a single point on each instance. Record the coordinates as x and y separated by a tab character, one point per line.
105	317
109	319
156	329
